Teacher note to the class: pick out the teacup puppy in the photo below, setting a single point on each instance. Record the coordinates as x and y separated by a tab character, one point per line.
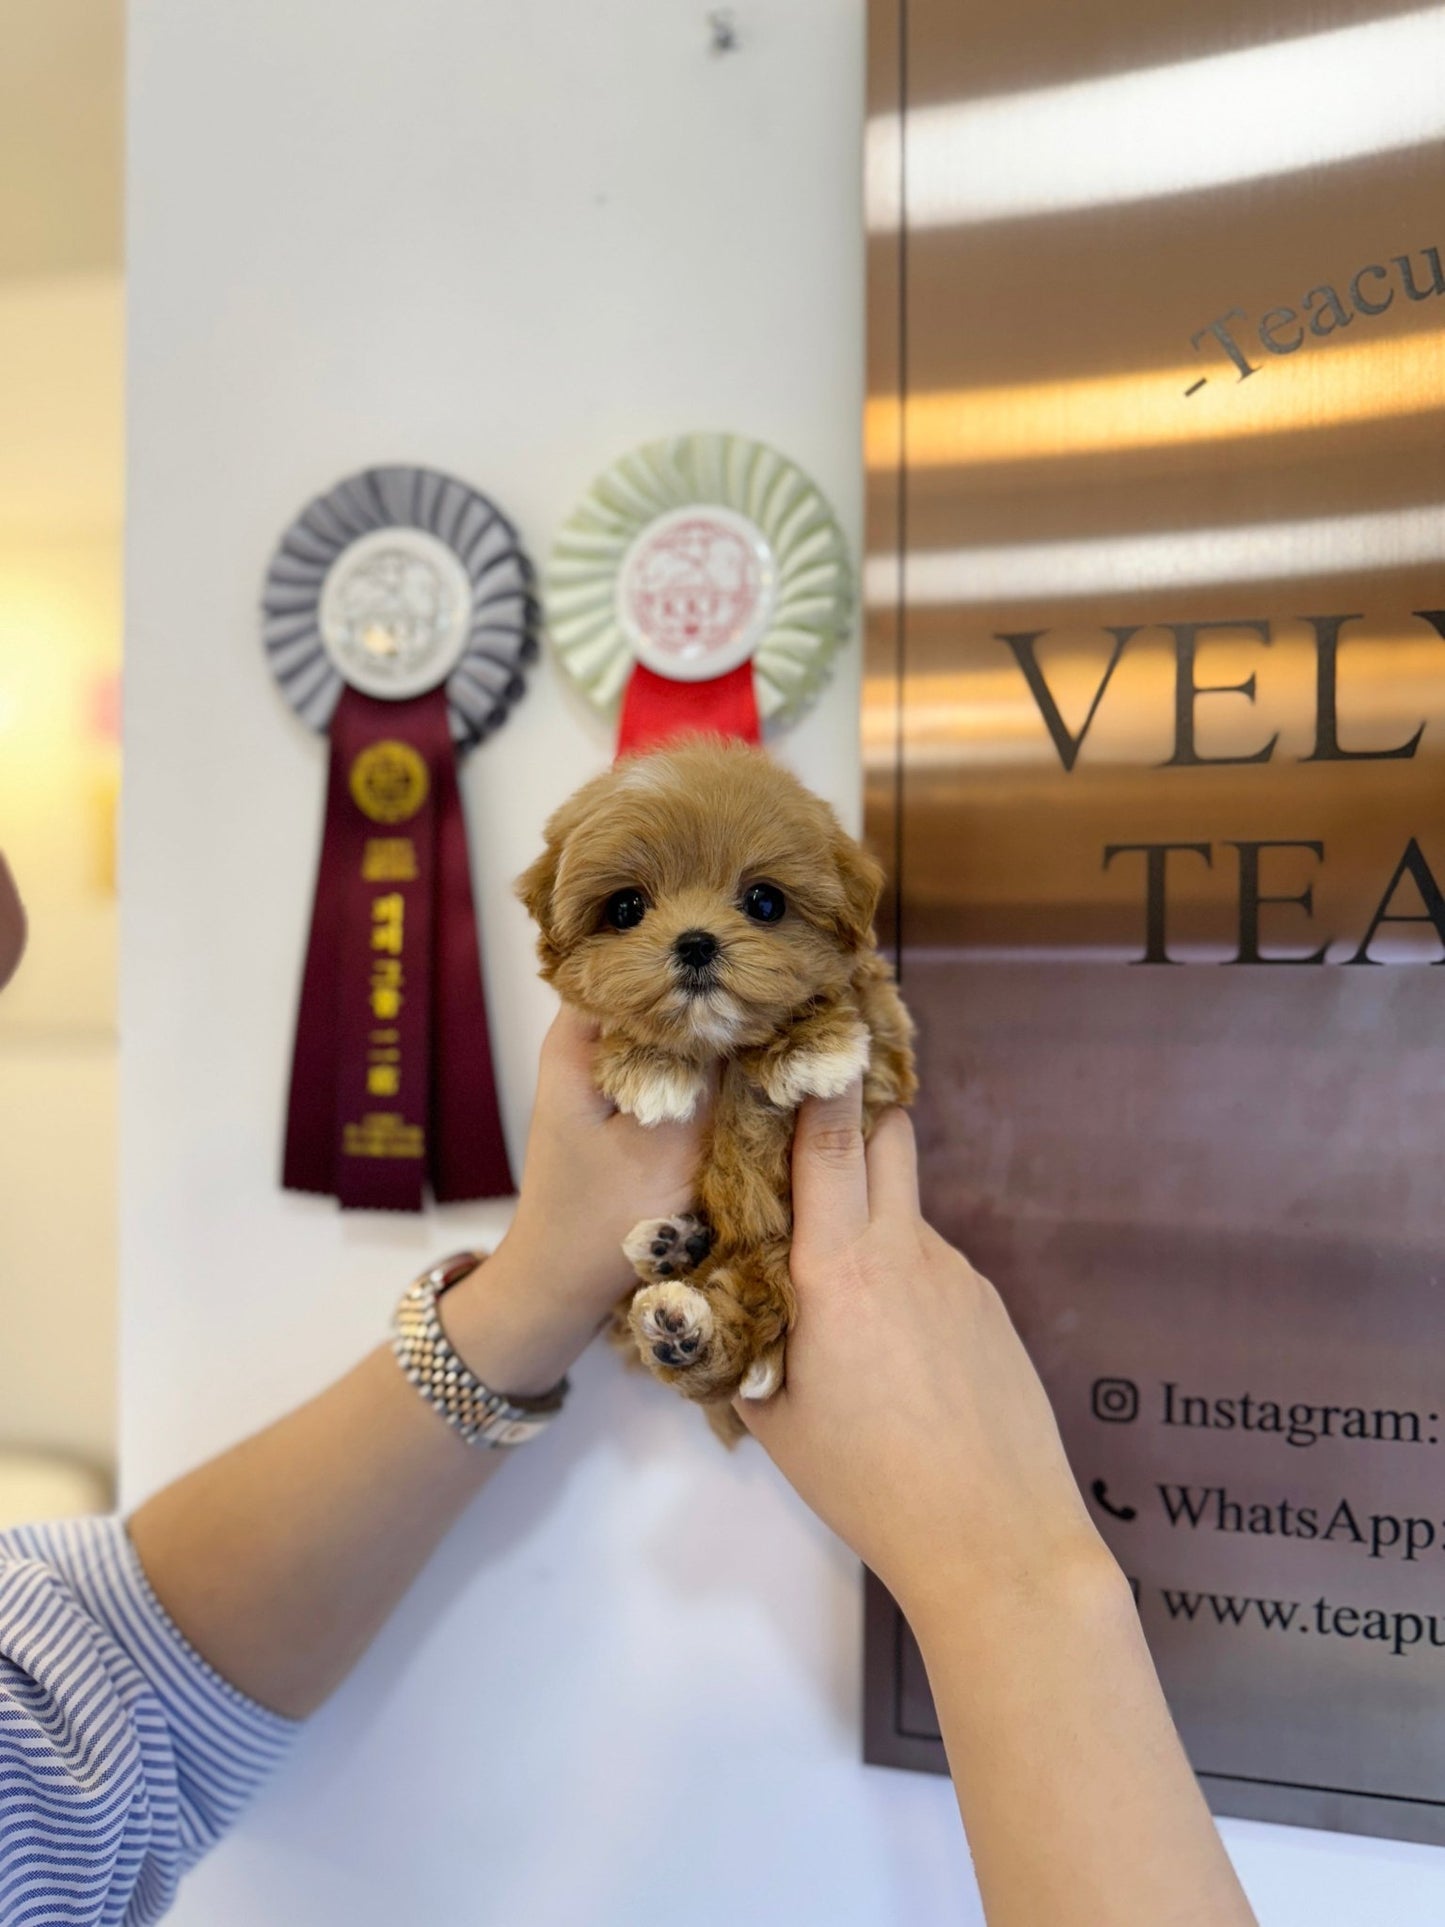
716	919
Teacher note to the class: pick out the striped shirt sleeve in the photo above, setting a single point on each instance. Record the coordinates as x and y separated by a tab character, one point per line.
123	1755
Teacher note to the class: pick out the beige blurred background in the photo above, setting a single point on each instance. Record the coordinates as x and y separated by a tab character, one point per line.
60	562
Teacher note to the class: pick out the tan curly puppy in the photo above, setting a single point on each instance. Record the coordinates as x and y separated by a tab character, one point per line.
716	919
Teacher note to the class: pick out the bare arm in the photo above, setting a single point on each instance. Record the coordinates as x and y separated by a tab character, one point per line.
281	1559
913	1422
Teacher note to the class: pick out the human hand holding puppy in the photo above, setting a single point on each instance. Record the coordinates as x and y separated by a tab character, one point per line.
716	920
913	1421
914	1424
521	1319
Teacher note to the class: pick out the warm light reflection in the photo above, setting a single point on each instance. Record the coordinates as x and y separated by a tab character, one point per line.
1120	565
949	716
1029	421
59	774
1312	101
983	717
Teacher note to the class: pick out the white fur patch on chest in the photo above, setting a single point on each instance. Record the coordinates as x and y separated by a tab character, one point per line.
714	1019
819	1073
717	1026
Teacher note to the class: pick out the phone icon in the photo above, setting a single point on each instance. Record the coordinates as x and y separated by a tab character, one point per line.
1101	1495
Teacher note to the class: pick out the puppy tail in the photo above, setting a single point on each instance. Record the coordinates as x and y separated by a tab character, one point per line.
725	1423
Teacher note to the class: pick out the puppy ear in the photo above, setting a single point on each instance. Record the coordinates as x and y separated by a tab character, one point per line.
536	886
862	881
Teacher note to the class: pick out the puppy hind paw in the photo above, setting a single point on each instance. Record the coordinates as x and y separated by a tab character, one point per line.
764	1376
667	1247
672	1324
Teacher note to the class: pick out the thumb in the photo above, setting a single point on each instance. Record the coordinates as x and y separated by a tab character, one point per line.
830	1172
830	1211
566	1080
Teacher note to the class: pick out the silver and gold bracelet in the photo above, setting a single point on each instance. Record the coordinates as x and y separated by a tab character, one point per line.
450	1387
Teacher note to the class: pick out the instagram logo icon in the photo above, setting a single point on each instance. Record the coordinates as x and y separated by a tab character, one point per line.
1115	1400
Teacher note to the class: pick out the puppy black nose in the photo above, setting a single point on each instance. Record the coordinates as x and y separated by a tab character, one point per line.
695	948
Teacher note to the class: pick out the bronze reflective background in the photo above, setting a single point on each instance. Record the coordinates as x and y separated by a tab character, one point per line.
1156	438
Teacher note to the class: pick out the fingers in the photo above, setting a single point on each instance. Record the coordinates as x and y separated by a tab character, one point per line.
830	1175
892	1159
572	1033
566	1076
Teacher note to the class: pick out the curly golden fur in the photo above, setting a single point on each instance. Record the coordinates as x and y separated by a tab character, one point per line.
716	919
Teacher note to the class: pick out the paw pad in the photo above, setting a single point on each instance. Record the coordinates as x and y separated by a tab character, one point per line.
664	1247
673	1323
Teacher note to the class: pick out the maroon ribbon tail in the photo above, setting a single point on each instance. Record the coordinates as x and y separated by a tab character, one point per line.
468	1148
391	1079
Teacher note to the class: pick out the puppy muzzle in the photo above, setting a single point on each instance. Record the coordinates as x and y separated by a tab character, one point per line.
695	957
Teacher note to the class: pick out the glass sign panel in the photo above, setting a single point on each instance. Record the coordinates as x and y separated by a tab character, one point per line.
1155	739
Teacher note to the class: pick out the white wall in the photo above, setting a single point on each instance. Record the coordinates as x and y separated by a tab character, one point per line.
510	240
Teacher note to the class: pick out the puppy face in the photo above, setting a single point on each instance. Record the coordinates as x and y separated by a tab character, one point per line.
699	898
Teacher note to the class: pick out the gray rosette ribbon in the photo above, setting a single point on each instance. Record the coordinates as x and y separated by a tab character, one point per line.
398	616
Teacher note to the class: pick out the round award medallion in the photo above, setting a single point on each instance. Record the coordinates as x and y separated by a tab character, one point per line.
695	592
692	556
394	582
396	610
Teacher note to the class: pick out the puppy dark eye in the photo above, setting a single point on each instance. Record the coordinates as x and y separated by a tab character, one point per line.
624	909
764	903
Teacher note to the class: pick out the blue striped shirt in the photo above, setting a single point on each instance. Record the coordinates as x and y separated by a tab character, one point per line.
123	1755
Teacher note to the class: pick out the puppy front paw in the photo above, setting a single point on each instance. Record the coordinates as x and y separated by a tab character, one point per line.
654	1089
667	1247
822	1069
672	1324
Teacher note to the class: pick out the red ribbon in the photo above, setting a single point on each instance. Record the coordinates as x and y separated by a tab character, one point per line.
656	710
392	1081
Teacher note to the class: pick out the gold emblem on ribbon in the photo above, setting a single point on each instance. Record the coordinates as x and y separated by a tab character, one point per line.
389	859
389	782
383	1134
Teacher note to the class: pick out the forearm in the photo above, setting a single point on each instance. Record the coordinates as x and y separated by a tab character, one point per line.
1077	1799
281	1559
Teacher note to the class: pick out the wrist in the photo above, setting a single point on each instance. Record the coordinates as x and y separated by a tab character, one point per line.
1074	1580
511	1327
